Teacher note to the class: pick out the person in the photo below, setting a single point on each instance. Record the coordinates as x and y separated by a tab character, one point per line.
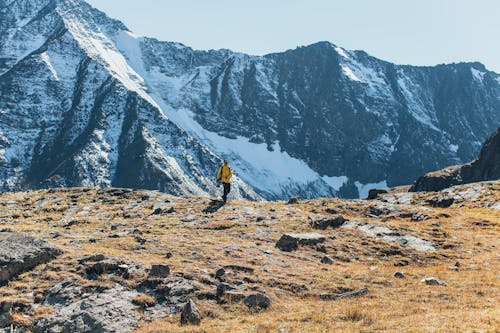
224	175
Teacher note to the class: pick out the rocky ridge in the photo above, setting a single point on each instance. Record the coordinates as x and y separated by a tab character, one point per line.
485	167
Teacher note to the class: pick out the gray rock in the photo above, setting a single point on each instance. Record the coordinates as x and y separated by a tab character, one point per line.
190	314
328	222
257	301
108	311
291	242
293	200
159	270
224	287
399	275
162	209
432	281
20	253
327	260
220	272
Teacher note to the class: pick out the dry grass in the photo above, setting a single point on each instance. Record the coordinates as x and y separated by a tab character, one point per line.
144	301
244	233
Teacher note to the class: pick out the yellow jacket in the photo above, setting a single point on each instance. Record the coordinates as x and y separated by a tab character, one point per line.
224	174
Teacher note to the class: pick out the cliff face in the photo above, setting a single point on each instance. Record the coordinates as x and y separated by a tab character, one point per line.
485	167
85	102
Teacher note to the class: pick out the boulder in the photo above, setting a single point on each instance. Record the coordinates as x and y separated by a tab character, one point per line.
327	260
293	200
291	242
373	193
190	314
20	253
399	275
328	222
159	270
257	301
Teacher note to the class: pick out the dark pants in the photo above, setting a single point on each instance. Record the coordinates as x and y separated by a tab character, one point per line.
227	189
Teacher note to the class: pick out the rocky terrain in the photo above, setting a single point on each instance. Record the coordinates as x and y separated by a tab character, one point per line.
85	102
485	167
119	260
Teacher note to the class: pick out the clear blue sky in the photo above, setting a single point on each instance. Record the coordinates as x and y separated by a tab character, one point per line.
418	32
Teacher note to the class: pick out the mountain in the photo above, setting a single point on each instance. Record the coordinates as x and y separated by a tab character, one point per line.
84	102
485	167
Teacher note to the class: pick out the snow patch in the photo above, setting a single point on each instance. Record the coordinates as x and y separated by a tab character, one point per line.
46	59
363	189
268	171
349	73
341	52
453	148
478	75
335	182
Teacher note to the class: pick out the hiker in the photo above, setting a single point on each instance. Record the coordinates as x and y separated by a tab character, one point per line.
224	175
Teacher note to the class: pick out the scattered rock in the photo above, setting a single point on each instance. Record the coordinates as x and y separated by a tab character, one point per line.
331	211
352	293
213	206
432	281
441	201
327	260
159	270
401	263
399	275
220	272
190	314
223	287
257	301
373	193
293	200
291	242
108	266
328	222
20	253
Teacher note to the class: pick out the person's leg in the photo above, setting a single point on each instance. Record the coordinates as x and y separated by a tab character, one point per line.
226	191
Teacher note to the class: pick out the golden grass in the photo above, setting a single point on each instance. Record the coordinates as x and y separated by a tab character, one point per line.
244	233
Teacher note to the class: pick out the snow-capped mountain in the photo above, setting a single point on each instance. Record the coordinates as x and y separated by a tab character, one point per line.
86	102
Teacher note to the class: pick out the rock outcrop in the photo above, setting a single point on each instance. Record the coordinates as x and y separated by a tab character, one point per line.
485	167
20	253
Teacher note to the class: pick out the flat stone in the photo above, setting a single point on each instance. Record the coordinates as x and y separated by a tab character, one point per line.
20	253
432	281
108	311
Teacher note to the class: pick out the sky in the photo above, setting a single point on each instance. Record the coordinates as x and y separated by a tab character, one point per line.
416	32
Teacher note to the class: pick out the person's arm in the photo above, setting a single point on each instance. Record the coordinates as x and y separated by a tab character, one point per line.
219	174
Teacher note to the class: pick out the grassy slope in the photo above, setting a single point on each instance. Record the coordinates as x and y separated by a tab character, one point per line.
244	233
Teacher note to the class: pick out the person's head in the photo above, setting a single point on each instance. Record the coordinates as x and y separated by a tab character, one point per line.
225	162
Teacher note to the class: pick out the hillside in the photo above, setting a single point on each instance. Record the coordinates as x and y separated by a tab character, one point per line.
485	167
85	102
104	278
